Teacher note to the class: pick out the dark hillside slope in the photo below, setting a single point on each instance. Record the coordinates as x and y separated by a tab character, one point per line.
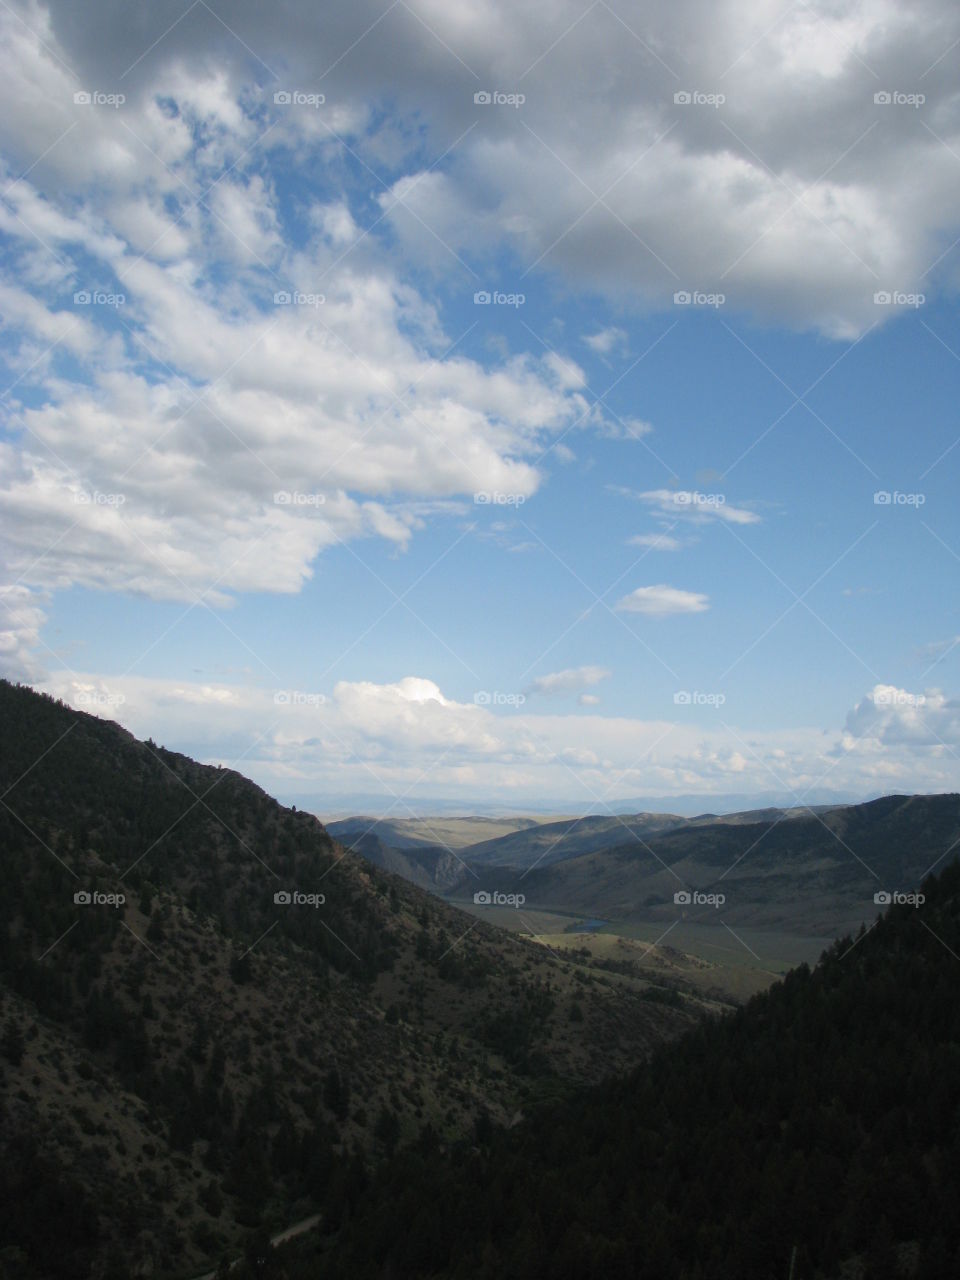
203	1058
814	1134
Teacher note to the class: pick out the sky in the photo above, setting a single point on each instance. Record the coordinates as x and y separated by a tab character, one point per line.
489	406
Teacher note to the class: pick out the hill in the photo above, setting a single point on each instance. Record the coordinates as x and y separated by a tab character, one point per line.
216	1020
811	1135
799	871
439	830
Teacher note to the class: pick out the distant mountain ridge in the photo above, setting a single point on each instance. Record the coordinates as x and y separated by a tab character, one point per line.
810	873
809	870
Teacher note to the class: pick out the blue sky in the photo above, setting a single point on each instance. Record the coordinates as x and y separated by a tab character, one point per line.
584	542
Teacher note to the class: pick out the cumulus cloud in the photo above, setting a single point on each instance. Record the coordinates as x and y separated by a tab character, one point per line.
743	153
661	601
386	738
204	401
895	717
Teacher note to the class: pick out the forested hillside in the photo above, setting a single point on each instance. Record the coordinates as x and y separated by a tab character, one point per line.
815	1134
214	1020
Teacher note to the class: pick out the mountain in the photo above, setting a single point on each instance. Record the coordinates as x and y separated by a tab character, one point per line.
691	804
428	866
812	1135
797	871
422	850
555	841
215	1020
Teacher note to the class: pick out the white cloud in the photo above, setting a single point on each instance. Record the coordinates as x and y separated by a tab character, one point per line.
155	432
21	618
384	738
571	679
893	717
661	601
797	197
694	506
655	541
606	341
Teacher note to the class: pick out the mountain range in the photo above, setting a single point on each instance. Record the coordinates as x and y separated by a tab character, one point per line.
811	871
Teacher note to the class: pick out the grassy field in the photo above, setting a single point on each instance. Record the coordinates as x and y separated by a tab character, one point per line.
709	959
